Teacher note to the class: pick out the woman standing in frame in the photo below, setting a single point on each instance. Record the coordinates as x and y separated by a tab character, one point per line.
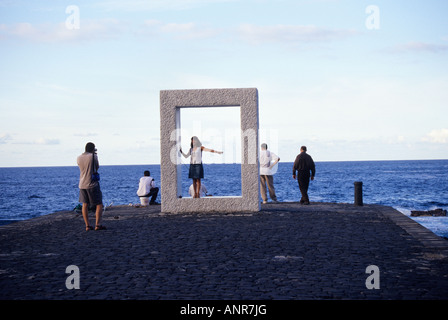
196	169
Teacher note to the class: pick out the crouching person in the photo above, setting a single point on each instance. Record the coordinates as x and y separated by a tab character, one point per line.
146	189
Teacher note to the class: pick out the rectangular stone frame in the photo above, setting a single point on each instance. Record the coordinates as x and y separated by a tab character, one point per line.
171	101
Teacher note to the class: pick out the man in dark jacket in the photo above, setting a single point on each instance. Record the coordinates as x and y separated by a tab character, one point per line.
305	168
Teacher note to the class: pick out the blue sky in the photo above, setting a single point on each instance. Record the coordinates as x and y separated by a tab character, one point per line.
329	76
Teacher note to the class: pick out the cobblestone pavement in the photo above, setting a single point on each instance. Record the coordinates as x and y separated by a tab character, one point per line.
286	252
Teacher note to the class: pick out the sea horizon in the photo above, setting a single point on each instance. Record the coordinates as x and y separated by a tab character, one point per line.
158	164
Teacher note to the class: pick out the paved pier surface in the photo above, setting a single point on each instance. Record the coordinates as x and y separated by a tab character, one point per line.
286	251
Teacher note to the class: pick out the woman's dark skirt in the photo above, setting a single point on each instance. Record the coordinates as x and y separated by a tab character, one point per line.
196	171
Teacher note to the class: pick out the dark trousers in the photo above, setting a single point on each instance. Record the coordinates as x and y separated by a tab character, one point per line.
304	183
153	194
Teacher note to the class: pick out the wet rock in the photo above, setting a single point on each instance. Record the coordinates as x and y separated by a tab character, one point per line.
429	213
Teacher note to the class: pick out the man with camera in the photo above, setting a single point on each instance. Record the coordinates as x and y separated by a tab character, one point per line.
89	187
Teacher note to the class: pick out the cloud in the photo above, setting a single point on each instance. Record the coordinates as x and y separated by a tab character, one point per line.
420	47
86	134
189	30
105	29
251	33
155	5
291	33
43	141
4	138
183	31
40	141
89	30
437	136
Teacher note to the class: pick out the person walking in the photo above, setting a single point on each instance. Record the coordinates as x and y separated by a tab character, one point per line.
305	168
268	160
89	188
196	168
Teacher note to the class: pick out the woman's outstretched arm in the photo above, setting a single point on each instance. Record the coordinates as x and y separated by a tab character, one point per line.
211	150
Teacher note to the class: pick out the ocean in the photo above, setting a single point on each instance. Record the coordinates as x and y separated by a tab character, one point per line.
405	185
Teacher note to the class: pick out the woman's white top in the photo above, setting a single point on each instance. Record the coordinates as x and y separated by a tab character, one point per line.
196	155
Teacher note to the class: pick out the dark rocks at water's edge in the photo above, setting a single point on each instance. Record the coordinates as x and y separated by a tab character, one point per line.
429	213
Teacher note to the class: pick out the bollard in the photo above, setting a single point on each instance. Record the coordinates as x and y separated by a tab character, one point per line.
358	193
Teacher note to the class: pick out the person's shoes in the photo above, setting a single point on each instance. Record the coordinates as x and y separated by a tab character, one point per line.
89	228
100	227
306	203
265	202
153	203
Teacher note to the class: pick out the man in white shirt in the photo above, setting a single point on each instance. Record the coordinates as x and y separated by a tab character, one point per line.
147	188
268	160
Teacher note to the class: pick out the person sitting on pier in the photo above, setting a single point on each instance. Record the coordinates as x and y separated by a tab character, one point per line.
203	191
147	188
